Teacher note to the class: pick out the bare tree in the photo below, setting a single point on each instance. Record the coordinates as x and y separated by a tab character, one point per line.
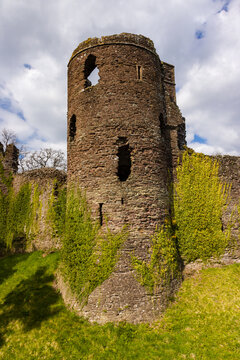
8	136
42	158
30	160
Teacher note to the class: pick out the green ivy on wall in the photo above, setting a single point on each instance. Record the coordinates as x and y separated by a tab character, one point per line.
163	266
57	209
196	232
88	254
199	201
19	214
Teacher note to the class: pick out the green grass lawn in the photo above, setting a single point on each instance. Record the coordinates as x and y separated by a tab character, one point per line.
203	322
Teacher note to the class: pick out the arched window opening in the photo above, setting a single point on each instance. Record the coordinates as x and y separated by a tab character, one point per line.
124	162
72	127
91	71
162	125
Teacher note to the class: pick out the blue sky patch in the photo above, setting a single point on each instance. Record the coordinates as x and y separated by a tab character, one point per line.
27	66
6	104
199	34
199	139
225	6
20	114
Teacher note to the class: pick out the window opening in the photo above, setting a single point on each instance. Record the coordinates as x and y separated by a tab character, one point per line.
122	201
100	214
124	162
91	72
139	72
72	127
94	77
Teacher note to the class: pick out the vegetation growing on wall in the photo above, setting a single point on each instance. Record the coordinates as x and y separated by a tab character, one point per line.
88	254
163	265
57	209
199	201
19	214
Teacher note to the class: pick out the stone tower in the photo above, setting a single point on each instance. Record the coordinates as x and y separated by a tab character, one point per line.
124	136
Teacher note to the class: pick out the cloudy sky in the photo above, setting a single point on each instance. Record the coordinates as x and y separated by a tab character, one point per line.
200	37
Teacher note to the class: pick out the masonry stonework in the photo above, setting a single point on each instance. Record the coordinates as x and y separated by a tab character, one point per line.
47	181
9	161
124	136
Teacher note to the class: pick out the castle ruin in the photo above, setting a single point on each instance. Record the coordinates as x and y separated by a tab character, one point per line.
124	137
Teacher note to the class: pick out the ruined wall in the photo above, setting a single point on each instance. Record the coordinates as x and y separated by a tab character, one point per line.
229	172
9	160
175	123
47	180
119	136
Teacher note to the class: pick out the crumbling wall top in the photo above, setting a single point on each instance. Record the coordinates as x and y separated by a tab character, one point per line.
123	38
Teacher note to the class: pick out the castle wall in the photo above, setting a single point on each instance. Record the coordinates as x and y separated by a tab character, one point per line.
46	179
9	161
229	171
117	129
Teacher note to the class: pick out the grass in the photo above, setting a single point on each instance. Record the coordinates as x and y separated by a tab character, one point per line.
203	322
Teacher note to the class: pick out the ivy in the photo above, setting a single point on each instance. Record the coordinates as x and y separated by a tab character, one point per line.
19	215
199	201
163	266
6	180
57	210
88	254
35	214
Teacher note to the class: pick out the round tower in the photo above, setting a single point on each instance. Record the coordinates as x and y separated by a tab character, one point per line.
117	153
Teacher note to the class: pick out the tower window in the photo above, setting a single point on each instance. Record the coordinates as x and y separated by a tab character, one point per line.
124	162
100	214
72	127
139	72
91	71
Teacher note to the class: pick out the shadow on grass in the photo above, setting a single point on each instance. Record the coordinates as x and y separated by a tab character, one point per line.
8	265
31	302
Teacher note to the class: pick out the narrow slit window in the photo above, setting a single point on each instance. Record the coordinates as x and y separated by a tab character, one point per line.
139	72
72	127
124	162
122	201
101	214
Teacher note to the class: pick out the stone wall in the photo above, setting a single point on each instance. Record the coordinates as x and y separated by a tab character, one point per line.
9	160
123	139
229	172
47	180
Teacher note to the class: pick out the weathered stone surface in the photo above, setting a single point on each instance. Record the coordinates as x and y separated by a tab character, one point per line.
45	179
124	136
9	159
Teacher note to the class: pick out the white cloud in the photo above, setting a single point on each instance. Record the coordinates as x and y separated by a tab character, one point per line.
43	34
210	95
